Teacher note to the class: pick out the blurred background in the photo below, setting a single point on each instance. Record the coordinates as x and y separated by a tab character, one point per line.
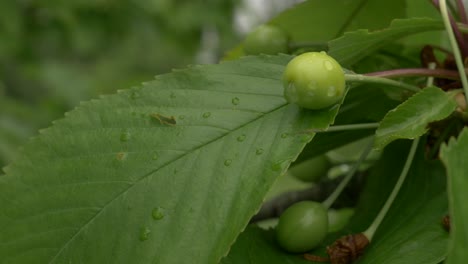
57	53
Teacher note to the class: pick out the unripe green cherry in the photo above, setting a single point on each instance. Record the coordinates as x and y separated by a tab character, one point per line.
312	169
266	39
302	226
314	80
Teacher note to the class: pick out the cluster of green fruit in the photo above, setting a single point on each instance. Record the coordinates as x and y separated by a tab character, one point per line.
315	81
303	225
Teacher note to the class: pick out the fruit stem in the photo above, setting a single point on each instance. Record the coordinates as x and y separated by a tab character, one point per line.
352	127
339	189
345	128
453	43
369	233
359	78
411	72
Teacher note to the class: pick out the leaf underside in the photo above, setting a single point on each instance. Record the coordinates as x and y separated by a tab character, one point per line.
169	172
411	118
454	157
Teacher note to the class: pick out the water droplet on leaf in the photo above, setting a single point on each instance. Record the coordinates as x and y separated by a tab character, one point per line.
125	136
121	156
155	156
144	233
134	95
157	213
284	135
206	114
228	162
259	151
181	117
173	95
235	101
241	138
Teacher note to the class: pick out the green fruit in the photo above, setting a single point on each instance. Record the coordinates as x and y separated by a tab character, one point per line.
302	226
314	80
312	169
266	39
337	219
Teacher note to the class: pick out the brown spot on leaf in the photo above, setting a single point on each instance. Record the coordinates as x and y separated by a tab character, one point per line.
446	223
164	120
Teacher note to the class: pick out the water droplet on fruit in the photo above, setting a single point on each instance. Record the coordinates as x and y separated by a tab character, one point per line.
227	162
235	101
284	135
259	151
125	136
312	85
206	114
241	138
328	65
291	93
144	233
157	213
331	91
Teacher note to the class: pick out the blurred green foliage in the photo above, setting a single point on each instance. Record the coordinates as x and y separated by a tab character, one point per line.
56	53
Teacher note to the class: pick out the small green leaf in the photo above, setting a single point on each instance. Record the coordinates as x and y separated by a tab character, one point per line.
354	46
454	155
325	20
170	172
410	119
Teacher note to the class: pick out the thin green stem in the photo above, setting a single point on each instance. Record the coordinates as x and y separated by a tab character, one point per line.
430	79
339	189
352	127
453	43
347	127
369	233
359	78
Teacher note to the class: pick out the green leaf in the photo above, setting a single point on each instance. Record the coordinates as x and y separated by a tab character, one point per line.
410	119
412	231
326	20
255	245
454	157
354	46
167	173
